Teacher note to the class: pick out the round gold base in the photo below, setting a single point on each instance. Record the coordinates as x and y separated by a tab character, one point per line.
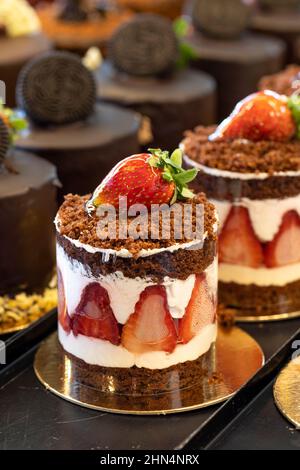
247	316
286	392
236	357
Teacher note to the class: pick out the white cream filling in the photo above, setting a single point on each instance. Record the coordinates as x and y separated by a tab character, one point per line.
103	353
245	275
124	292
265	215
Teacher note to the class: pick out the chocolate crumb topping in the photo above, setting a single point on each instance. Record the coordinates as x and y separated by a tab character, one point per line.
285	82
77	224
240	155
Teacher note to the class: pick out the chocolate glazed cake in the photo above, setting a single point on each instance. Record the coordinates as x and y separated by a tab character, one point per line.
281	19
27	207
141	74
81	138
255	186
235	58
142	318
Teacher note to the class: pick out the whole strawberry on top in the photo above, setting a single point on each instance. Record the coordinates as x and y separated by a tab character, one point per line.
146	178
264	115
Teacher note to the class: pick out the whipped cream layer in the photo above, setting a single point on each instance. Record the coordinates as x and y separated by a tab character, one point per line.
262	276
103	353
265	214
124	292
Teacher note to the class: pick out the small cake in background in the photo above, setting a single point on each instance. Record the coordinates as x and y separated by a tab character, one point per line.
20	41
143	313
249	167
170	8
77	25
66	126
281	19
27	207
285	82
235	57
143	73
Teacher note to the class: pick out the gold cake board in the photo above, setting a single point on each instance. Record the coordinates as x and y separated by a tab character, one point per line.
247	317
235	359
286	392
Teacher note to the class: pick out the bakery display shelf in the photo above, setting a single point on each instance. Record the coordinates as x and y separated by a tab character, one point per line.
251	420
57	424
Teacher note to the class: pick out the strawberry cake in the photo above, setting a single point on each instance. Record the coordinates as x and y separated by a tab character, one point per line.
249	167
285	82
137	316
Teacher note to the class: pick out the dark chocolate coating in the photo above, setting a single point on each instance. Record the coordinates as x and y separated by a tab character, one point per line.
280	4
27	209
219	18
145	45
84	152
237	65
56	88
14	53
284	25
173	104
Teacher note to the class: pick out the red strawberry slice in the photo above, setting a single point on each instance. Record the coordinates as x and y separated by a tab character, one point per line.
63	316
200	311
284	249
237	242
261	116
150	327
94	316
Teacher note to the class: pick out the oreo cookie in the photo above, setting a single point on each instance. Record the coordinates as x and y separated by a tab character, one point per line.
4	141
219	18
144	46
56	89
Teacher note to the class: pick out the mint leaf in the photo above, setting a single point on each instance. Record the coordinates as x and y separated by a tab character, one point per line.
294	106
176	158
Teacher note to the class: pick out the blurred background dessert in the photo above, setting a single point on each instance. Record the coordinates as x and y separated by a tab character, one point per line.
170	8
285	82
27	207
20	40
143	72
281	19
235	57
76	25
84	139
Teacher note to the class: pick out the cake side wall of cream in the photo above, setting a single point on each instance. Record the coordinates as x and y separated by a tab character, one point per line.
102	353
124	292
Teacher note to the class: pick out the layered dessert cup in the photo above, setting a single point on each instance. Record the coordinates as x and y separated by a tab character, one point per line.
136	316
250	169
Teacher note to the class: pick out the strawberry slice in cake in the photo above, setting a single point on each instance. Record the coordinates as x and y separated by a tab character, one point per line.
249	167
136	313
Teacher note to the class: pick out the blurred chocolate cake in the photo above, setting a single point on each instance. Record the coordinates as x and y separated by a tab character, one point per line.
27	208
20	41
281	19
142	74
82	138
235	58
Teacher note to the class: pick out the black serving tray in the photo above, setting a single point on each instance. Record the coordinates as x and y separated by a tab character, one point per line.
33	418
